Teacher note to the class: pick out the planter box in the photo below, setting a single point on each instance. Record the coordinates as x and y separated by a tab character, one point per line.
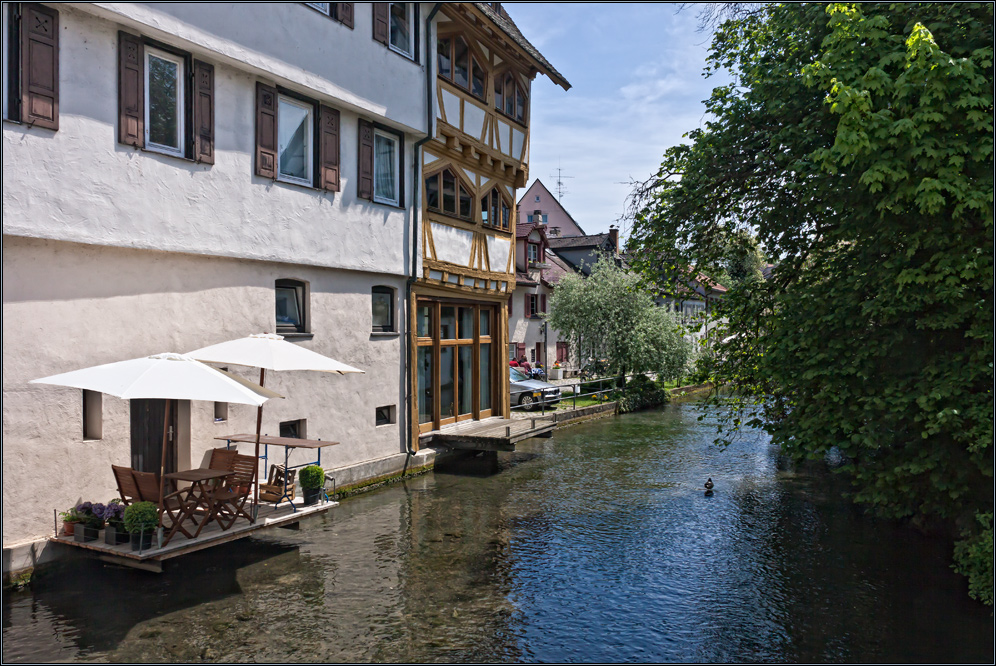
556	373
114	536
83	533
141	541
311	495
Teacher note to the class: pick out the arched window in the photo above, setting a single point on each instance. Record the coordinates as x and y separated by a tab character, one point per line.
382	307
510	97
446	193
458	64
292	306
495	210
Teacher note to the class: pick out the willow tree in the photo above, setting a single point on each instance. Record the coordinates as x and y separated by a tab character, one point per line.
856	142
610	315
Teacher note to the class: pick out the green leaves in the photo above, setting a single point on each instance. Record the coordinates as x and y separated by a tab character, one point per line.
856	144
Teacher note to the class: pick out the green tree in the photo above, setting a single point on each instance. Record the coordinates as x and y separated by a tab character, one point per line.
855	142
609	315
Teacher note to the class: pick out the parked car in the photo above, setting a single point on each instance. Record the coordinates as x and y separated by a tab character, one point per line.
531	392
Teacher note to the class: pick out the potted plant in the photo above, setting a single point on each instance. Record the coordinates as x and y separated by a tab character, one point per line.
115	532
70	518
141	520
90	523
556	372
312	479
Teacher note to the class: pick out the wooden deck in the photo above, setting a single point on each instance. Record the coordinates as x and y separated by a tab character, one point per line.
151	559
494	434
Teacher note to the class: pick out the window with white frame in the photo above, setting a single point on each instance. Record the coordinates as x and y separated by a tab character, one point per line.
386	182
532	251
294	140
401	27
164	102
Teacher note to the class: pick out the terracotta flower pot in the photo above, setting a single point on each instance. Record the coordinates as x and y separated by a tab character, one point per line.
68	528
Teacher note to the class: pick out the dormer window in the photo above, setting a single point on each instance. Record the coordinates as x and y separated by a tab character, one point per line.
495	211
460	66
445	193
510	97
532	252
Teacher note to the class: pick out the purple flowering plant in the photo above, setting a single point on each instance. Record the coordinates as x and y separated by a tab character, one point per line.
113	513
92	515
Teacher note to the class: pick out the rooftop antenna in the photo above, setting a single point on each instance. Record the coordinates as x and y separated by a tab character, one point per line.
561	190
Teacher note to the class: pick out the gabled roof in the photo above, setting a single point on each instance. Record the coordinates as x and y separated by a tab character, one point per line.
523	229
570	242
558	268
505	23
552	198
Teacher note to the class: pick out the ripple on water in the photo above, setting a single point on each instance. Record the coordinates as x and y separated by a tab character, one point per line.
596	546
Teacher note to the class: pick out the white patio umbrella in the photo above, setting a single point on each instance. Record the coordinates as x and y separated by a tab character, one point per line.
164	376
267	351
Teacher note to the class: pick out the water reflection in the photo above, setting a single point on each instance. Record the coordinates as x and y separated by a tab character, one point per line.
596	545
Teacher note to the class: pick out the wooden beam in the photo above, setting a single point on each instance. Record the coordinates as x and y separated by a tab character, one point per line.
154	566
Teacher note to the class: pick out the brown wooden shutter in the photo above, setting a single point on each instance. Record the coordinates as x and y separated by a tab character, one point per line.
510	299
328	149
344	12
266	131
131	90
365	163
39	66
520	350
542	302
203	112
381	27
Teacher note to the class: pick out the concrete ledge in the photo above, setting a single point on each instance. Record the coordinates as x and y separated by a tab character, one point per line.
20	560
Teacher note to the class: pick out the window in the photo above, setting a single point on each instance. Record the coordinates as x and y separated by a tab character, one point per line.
93	422
297	139
532	305
510	97
291	306
337	11
495	211
385	415
31	64
220	412
401	22
536	199
445	193
385	168
457	64
294	139
383	309
297	429
164	102
532	251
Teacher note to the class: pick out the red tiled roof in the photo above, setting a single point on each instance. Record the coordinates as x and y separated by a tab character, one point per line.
557	269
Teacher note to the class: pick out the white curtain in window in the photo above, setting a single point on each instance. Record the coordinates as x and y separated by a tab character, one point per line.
385	177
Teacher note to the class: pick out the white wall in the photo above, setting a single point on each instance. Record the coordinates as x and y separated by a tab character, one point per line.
68	306
79	184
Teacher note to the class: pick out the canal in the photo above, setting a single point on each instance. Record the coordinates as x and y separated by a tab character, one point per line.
598	545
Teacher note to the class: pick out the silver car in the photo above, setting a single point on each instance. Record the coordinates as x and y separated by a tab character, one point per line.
530	393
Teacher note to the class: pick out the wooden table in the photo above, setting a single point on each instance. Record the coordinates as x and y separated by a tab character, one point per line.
288	443
196	497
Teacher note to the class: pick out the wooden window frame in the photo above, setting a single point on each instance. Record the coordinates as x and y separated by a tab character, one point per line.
509	78
460	184
503	206
473	58
529	248
475	342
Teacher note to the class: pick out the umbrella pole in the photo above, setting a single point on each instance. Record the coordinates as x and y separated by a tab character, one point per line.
259	426
162	464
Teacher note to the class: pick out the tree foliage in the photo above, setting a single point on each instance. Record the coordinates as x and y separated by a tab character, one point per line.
608	315
855	142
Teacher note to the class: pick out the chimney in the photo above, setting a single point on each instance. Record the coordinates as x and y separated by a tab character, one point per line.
614	237
554	232
538	216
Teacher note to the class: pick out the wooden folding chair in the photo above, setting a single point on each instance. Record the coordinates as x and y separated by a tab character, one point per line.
230	499
222	458
127	488
148	490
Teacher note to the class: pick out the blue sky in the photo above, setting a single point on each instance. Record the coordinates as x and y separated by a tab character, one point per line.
637	87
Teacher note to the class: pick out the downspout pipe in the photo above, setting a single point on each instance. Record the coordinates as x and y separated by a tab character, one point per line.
430	81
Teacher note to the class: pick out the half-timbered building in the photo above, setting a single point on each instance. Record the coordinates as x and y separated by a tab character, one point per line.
478	155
